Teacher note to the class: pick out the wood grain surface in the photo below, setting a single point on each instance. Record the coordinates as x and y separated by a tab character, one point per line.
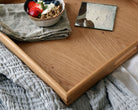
71	66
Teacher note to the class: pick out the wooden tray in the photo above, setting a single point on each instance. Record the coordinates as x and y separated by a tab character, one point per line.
73	65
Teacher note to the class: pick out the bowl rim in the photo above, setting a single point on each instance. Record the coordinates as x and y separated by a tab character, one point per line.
37	19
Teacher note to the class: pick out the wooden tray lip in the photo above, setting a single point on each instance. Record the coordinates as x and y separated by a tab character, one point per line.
65	95
12	46
133	45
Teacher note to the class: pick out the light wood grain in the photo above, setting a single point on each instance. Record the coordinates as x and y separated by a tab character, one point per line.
32	64
11	1
73	65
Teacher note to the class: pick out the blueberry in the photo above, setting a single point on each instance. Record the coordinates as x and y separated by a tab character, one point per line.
48	1
53	1
56	3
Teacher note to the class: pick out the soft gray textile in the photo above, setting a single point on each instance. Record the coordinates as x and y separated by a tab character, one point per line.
21	89
16	23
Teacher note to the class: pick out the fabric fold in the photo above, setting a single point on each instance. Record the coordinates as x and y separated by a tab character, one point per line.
16	24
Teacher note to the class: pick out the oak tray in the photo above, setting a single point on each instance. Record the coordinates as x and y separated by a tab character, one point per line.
71	66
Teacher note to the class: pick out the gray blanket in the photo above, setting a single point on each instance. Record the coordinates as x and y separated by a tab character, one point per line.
21	89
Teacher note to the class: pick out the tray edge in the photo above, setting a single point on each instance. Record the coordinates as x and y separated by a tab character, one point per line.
13	47
103	71
71	95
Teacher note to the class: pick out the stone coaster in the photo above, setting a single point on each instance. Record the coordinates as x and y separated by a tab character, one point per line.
96	16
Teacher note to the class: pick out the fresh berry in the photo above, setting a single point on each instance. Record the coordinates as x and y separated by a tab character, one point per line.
34	12
48	2
31	4
53	1
38	7
56	3
35	9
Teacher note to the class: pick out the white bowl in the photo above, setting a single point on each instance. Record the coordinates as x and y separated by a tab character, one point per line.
46	22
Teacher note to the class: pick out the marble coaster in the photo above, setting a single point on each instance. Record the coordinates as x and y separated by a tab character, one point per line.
96	16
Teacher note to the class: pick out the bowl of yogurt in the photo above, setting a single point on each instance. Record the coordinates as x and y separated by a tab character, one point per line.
44	13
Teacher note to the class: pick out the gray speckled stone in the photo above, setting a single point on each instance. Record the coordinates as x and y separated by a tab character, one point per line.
99	16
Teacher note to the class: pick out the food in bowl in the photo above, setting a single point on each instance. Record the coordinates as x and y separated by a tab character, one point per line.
44	9
37	13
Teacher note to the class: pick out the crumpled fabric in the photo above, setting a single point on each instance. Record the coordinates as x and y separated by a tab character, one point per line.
21	89
16	24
